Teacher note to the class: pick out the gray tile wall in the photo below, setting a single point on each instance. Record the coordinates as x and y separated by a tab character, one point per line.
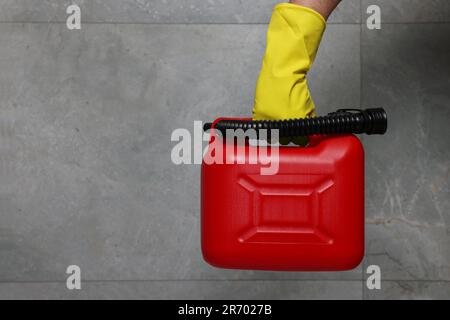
189	290
159	11
85	124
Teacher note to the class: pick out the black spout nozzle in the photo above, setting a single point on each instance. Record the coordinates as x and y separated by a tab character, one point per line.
344	121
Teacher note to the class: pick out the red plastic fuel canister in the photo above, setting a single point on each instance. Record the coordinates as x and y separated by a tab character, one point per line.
309	216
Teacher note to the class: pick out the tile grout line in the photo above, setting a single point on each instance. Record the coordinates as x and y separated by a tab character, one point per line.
180	280
155	23
363	291
220	280
214	23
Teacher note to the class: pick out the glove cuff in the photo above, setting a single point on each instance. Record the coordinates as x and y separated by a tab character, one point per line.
304	22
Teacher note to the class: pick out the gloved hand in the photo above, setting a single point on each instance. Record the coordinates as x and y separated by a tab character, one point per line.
293	39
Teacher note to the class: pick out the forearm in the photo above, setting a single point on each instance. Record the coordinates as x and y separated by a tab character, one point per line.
324	7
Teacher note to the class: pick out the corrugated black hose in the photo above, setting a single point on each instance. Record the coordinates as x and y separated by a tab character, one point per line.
344	121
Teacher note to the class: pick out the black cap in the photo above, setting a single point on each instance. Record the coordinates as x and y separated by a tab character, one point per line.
376	121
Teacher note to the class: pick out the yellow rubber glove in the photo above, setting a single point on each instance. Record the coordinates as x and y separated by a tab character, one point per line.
293	39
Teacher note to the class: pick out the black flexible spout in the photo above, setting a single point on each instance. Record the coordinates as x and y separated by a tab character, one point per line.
345	121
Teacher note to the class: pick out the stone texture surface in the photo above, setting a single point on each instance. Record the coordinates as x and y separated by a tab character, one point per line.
85	124
159	11
408	207
87	119
189	290
410	290
411	11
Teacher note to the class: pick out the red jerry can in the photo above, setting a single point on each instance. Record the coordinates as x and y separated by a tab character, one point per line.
309	216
